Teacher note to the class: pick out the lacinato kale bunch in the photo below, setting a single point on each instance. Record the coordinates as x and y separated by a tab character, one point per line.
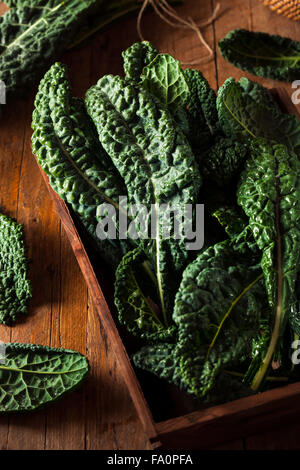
218	321
262	54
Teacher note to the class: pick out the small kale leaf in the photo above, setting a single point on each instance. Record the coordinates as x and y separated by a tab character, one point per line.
66	145
35	376
262	54
134	294
136	57
15	288
243	116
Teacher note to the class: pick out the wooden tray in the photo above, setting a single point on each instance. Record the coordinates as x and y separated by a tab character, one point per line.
199	429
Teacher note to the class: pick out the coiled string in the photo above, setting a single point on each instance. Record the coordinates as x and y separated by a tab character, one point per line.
167	13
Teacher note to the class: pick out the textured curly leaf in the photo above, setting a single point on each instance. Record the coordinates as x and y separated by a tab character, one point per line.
242	115
35	376
67	147
202	112
224	160
136	57
153	157
258	93
15	288
202	99
262	54
231	220
269	193
134	300
217	311
161	361
31	35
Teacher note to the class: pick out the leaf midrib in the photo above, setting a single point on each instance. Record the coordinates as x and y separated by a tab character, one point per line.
278	59
156	206
40	20
29	371
259	377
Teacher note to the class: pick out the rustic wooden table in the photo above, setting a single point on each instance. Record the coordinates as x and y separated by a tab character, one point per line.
101	415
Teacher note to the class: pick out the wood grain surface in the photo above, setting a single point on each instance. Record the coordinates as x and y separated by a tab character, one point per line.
101	415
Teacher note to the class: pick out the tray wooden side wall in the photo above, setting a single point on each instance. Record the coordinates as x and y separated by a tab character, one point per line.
200	429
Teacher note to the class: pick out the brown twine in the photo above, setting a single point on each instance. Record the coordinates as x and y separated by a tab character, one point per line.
167	13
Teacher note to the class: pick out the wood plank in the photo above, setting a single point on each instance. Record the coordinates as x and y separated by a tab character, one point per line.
104	312
282	438
115	425
238	419
233	445
11	156
34	211
3	8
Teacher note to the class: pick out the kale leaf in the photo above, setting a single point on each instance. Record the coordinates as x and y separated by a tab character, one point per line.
32	377
15	288
245	115
217	313
164	78
66	145
31	35
136	57
155	160
134	298
268	191
262	54
224	160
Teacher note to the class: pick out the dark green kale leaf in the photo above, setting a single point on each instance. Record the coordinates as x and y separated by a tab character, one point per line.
186	93
262	54
134	299
165	79
224	160
66	145
258	93
32	377
202	100
217	311
32	33
245	115
136	57
202	112
160	360
232	221
269	193
15	288
156	162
